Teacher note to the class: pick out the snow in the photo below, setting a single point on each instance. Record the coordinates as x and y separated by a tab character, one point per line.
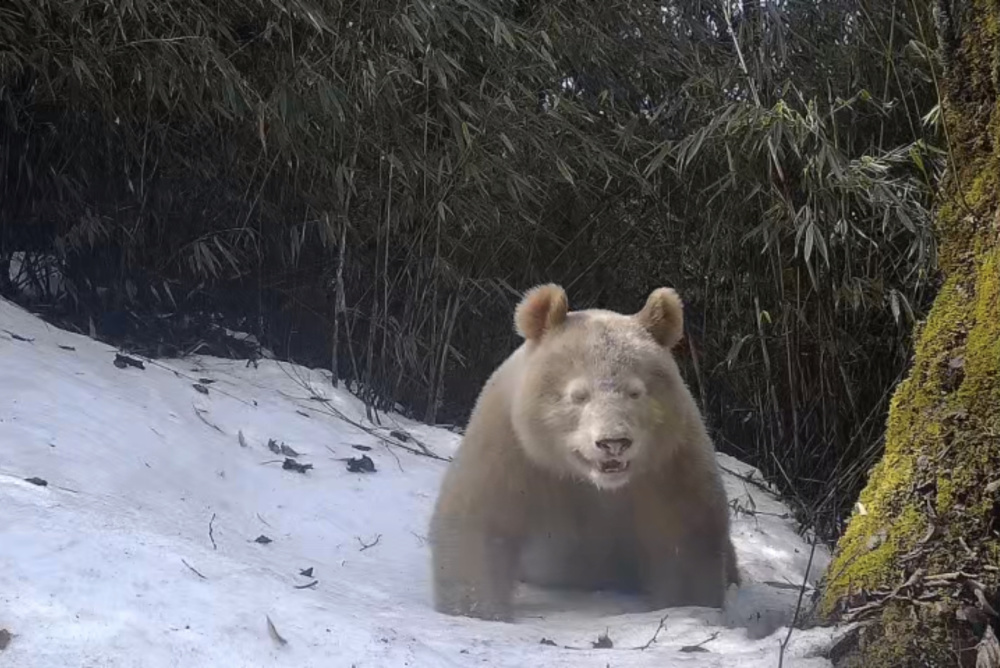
141	551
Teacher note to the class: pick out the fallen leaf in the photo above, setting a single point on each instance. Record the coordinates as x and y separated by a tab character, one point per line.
69	348
287	451
307	573
274	632
281	448
362	464
123	361
201	388
242	439
18	337
546	641
262	539
37	481
5	638
603	642
292	465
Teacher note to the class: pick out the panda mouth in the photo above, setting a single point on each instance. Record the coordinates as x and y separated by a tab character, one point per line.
612	466
608	466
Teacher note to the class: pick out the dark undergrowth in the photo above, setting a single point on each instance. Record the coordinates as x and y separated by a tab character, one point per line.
369	186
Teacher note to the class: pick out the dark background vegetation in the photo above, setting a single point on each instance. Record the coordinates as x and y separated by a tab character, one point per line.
374	183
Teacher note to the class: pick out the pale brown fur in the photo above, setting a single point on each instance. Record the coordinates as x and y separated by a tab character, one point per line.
528	496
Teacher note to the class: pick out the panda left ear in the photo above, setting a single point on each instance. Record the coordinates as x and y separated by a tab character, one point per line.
663	316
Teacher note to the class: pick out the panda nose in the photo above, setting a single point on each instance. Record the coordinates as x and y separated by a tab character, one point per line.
614	446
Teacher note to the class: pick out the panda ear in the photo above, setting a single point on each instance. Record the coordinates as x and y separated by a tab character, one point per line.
542	309
663	316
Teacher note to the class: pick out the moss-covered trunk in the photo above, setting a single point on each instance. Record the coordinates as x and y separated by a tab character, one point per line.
919	561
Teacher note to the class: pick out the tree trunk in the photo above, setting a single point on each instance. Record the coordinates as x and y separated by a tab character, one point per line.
919	564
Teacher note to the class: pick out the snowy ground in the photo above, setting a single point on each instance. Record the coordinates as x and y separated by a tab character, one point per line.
140	550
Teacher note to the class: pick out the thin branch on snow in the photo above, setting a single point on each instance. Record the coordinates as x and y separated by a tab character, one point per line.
394	456
798	604
211	535
365	546
194	570
422	449
700	647
205	420
663	621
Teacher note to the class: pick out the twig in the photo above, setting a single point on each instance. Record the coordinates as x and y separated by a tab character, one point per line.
205	420
798	604
981	598
966	547
663	621
67	489
365	546
211	535
193	379
308	586
750	479
194	570
699	646
422	450
394	456
917	577
636	648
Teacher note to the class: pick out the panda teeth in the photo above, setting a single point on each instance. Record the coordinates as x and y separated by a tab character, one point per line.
613	466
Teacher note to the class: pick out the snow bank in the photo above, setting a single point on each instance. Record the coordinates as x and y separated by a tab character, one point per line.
142	548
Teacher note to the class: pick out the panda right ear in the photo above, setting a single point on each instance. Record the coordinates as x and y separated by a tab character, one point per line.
542	309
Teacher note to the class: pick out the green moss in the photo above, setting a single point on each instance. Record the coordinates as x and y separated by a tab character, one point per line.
982	357
868	551
943	432
945	493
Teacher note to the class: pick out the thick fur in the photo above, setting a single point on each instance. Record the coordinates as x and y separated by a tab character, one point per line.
586	465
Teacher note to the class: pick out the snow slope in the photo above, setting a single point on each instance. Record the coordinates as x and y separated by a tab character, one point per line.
140	550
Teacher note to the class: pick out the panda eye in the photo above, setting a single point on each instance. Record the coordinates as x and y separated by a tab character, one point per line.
634	391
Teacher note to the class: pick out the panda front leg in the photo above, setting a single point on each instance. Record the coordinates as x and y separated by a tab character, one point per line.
474	570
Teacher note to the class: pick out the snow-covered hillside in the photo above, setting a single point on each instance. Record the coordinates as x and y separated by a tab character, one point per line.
145	521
